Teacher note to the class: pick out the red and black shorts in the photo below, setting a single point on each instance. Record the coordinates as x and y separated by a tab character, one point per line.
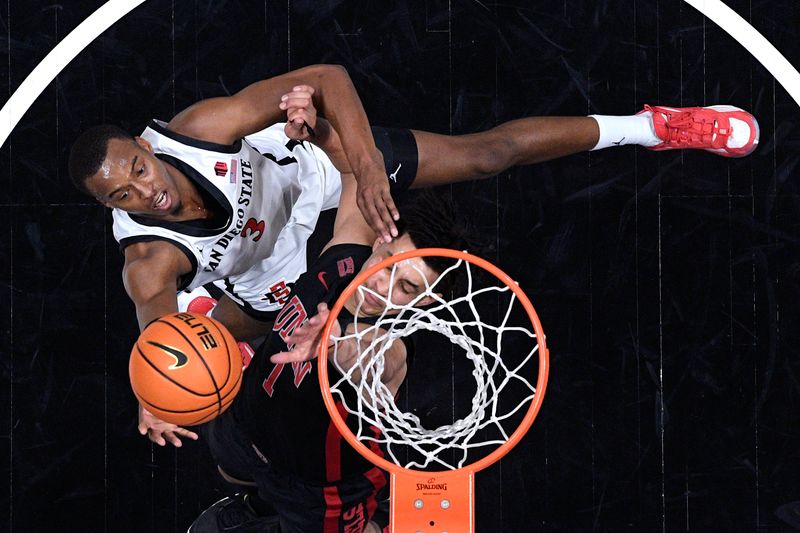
343	507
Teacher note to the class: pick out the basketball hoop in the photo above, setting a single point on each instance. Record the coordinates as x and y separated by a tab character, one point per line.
432	471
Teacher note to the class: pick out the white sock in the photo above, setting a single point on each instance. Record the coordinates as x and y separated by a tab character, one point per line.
619	131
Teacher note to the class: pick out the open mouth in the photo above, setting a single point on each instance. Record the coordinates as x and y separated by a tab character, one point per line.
162	201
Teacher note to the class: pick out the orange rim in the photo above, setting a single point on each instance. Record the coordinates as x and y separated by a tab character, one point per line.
541	382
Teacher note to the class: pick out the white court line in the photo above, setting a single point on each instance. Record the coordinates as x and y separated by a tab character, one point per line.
113	10
753	42
58	58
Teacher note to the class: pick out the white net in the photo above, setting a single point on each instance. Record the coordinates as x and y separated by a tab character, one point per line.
487	329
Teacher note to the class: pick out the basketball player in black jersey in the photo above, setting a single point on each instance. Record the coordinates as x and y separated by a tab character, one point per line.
278	434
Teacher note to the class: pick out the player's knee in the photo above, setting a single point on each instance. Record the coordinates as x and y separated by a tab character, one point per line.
493	157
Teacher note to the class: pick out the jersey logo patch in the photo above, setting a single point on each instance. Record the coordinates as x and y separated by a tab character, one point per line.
220	169
345	266
321	278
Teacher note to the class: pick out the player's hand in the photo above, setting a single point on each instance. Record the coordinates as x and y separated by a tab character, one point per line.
161	432
376	203
306	338
301	115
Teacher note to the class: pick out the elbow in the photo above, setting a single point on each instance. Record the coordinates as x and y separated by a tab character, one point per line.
327	72
328	69
143	283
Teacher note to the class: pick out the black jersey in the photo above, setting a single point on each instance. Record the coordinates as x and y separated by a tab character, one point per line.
280	406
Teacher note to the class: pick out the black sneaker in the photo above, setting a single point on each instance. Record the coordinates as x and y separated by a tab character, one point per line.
233	514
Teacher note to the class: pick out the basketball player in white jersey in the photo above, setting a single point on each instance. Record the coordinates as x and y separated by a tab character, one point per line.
214	195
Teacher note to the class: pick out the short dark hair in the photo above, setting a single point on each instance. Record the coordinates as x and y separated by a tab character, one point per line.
433	221
89	151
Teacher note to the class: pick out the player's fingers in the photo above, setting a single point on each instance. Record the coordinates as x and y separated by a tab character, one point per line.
303	88
173	439
183	432
300	100
156	438
294	131
386	218
370	212
301	94
283	357
142	428
393	213
299	121
289	103
322	315
296	122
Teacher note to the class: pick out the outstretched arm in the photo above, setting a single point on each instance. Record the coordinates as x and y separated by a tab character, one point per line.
306	340
150	276
224	120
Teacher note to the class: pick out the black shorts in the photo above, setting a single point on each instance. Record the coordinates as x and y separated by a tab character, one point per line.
346	506
400	156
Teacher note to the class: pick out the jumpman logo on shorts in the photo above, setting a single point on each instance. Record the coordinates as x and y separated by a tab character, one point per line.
393	175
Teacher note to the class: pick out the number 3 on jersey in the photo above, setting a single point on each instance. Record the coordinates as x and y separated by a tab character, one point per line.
253	227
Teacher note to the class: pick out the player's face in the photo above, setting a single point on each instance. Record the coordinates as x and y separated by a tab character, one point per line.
131	178
408	282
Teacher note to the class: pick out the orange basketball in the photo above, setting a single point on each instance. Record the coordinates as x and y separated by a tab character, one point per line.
185	368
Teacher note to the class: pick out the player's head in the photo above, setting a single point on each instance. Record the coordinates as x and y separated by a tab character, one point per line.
432	221
120	171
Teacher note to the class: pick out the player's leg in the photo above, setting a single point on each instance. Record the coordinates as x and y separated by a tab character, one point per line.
245	510
448	159
212	301
350	505
241	325
723	130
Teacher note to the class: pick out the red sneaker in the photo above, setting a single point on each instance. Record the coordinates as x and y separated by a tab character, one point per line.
202	305
721	129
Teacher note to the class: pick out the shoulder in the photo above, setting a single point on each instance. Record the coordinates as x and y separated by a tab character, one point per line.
208	120
334	269
156	251
345	259
167	138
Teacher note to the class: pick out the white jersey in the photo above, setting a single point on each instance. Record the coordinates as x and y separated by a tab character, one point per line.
271	190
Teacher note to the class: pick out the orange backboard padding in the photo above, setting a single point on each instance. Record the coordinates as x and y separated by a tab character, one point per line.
432	502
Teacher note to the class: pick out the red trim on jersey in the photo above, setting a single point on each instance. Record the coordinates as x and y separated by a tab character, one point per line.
333	448
373	444
378	480
375	475
333	509
333	473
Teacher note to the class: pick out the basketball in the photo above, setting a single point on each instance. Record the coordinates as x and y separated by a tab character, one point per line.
185	368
